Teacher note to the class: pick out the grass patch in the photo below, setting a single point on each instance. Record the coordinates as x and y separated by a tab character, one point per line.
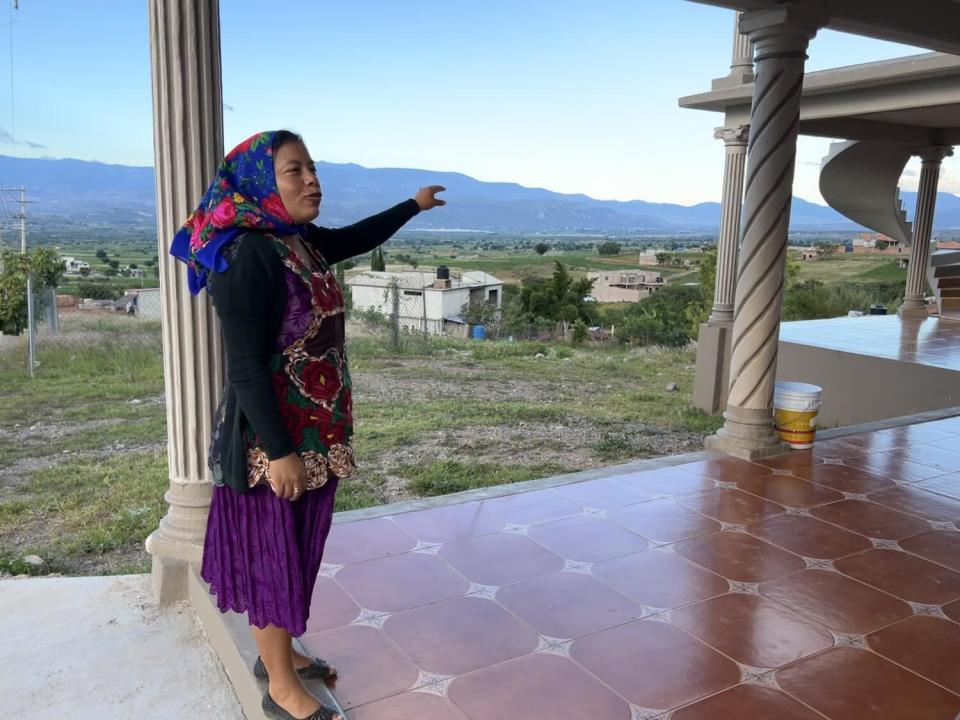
360	491
78	513
443	477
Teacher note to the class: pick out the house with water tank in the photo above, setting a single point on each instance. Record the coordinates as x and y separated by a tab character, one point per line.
425	301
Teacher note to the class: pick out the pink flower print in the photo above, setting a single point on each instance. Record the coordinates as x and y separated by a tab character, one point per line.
196	241
224	214
274	205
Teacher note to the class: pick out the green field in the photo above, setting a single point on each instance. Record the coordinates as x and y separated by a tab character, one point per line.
83	465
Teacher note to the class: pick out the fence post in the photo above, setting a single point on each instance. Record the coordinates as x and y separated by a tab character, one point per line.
395	315
53	311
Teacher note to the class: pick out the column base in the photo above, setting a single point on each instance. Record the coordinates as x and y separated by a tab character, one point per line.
747	434
742	77
713	368
913	311
171	560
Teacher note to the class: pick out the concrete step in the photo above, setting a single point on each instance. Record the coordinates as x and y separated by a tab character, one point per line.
949	303
953	282
946	271
950	292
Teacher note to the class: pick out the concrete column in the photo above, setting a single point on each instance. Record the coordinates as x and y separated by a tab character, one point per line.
713	341
780	36
913	303
188	145
741	63
735	141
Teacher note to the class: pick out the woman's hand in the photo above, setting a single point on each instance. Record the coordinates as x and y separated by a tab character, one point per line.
426	197
288	477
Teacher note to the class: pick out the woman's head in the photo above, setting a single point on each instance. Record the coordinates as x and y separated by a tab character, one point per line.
296	176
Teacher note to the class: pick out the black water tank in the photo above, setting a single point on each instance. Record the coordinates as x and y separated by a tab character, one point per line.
443	273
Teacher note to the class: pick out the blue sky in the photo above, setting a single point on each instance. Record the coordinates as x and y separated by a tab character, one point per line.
571	96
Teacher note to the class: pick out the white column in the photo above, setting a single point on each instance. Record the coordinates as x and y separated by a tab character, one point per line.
188	145
741	62
780	36
735	145
913	303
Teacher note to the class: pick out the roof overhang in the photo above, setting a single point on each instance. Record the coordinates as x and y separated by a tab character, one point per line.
931	24
913	100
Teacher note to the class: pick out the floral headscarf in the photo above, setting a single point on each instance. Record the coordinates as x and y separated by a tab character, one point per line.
243	196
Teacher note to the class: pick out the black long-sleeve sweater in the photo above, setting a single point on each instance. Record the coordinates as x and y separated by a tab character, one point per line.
250	299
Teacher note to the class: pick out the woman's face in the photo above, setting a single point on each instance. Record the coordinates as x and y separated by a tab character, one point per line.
297	181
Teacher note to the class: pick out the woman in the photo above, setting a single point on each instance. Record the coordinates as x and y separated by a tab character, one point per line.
281	440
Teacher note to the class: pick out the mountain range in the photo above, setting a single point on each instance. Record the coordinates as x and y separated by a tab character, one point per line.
86	192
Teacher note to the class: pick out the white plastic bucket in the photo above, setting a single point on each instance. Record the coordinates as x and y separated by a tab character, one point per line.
795	408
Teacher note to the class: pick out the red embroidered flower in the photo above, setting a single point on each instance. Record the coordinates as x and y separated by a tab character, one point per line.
320	380
197	225
295	418
224	214
346	406
334	435
274	205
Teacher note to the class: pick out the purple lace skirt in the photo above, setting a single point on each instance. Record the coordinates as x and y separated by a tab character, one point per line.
262	554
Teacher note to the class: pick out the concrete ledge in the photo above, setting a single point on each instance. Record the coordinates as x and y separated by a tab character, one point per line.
230	638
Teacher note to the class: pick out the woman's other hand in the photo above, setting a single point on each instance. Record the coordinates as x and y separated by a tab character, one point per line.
426	197
288	477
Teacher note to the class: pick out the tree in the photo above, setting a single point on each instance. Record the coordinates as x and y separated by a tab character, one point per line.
663	258
377	262
114	264
541	248
609	248
46	268
102	254
133	266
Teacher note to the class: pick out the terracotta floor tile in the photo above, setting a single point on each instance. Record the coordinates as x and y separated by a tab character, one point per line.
809	537
663	521
799	463
747	702
448	523
915	434
365	540
943	485
672	481
952	610
603	493
930	646
740	557
401	582
660	579
730	506
836	601
893	467
752	630
843	448
585	538
456	636
408	706
541	685
370	665
500	559
531	507
870	519
676	668
939	546
330	607
567	605
837	682
845	478
789	491
727	469
908	577
920	503
936	455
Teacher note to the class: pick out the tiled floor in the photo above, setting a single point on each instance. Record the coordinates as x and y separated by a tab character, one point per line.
928	341
819	584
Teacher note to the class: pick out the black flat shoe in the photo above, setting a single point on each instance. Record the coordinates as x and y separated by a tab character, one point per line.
272	710
319	669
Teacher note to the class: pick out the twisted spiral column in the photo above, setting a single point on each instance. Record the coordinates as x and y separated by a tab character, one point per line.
735	141
931	158
780	37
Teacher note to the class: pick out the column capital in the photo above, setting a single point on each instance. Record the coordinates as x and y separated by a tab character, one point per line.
935	153
783	29
734	135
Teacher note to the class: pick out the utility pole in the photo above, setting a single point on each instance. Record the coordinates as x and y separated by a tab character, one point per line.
31	348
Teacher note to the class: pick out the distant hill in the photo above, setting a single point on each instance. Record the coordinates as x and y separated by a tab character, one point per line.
78	191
